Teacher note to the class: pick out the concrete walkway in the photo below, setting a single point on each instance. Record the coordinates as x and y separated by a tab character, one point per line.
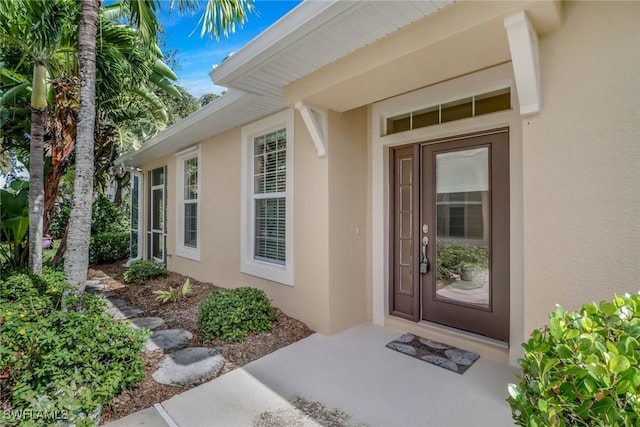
351	371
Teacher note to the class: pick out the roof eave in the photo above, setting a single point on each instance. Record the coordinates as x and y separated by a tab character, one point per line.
192	122
300	21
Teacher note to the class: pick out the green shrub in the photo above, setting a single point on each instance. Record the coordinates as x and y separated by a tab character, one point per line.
142	270
582	369
63	362
232	314
108	218
59	222
108	247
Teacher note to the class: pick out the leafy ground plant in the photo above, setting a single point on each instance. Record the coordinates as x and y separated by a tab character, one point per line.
142	270
232	314
172	294
67	363
582	369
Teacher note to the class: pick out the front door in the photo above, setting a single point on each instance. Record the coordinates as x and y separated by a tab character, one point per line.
450	233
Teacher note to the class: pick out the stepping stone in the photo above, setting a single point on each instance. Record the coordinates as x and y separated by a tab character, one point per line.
168	339
93	286
117	302
125	312
147	322
189	366
105	294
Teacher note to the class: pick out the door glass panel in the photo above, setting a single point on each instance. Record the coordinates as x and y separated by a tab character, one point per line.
463	227
157	209
135	212
157	246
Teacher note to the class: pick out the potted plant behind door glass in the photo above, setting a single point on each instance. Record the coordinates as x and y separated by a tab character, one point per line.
473	265
467	266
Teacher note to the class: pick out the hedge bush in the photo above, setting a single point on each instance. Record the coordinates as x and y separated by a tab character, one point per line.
59	222
66	363
105	218
582	369
108	247
232	314
142	270
108	218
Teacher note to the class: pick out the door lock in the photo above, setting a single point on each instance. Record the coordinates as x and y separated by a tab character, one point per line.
424	266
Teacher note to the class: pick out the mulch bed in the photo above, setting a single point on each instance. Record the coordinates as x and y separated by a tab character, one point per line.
182	314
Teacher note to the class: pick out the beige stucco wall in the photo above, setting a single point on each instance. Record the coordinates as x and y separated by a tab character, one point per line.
219	263
582	162
329	292
347	155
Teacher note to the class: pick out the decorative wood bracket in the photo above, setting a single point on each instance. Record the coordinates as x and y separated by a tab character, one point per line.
316	120
523	43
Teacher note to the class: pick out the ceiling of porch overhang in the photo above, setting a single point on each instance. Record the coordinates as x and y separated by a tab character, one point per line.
311	36
458	40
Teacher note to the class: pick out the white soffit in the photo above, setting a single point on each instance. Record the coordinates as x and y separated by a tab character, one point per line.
312	36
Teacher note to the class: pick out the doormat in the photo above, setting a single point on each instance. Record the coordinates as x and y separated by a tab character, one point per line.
436	353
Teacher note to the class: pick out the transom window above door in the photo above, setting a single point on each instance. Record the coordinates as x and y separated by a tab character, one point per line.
471	106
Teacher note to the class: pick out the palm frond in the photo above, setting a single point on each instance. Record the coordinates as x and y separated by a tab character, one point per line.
220	16
164	70
142	15
10	96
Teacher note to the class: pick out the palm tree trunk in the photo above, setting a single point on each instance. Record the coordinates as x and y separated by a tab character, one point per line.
36	166
77	258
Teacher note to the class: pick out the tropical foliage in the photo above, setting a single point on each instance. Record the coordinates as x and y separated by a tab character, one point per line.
66	362
583	369
14	225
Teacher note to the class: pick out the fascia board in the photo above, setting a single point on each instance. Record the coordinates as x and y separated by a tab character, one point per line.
301	21
229	100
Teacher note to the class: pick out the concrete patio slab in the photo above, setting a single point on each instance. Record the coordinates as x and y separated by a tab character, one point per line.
148	417
354	372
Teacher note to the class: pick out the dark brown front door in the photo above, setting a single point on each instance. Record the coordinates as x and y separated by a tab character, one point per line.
450	233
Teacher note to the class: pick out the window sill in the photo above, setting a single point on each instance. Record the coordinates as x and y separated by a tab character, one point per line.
191	254
264	270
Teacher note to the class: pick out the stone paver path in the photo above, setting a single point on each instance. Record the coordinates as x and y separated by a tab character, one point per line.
168	339
183	366
147	322
189	366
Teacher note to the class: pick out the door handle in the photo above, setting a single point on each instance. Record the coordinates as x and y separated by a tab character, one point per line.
424	263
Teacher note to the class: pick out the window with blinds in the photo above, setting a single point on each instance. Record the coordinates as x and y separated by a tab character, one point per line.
191	203
188	204
266	204
269	196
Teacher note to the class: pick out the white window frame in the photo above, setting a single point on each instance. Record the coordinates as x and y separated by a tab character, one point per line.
248	264
181	249
137	174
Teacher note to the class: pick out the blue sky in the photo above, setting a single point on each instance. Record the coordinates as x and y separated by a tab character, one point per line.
197	55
